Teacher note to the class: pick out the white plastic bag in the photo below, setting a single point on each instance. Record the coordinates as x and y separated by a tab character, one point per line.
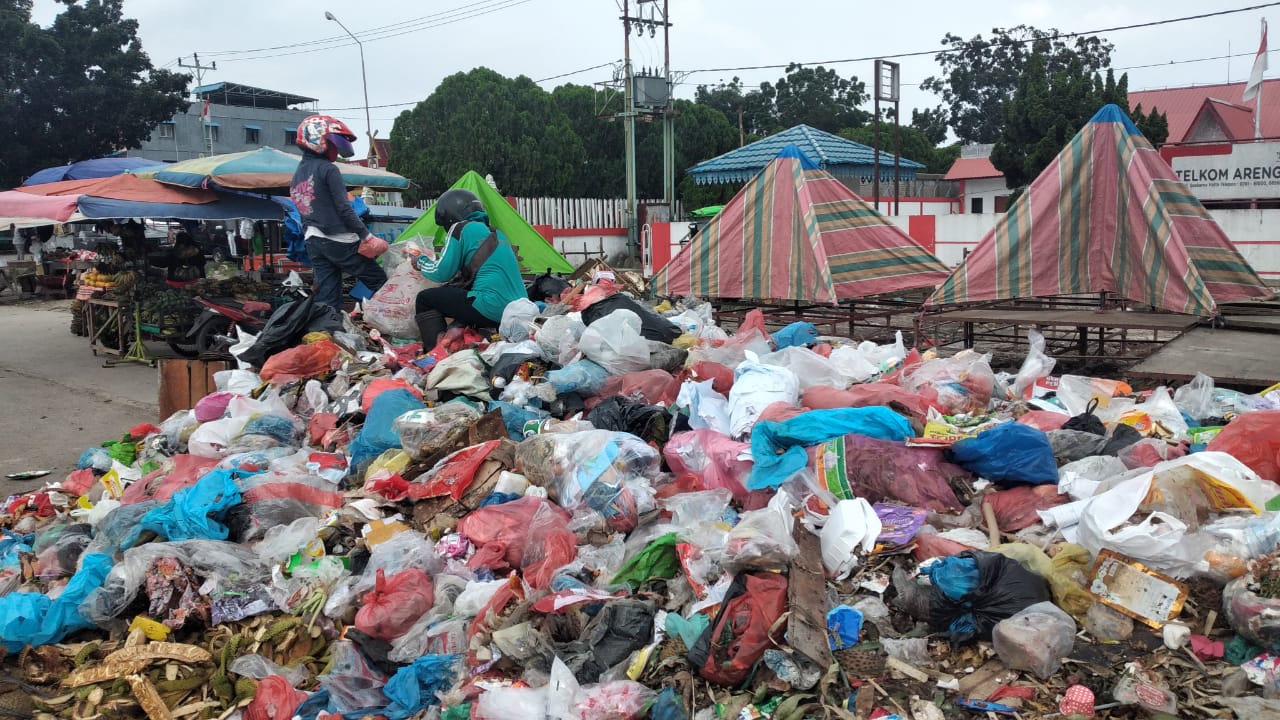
708	409
1196	397
762	538
1037	365
240	382
518	320
852	524
213	439
810	368
391	310
756	387
558	338
852	364
614	343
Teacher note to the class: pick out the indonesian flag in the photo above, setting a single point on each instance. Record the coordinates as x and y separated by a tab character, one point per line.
204	113
1259	67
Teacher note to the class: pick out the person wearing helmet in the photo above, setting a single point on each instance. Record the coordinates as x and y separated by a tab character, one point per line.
337	241
477	265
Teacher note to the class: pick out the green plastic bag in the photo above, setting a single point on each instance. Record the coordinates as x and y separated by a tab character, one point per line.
658	559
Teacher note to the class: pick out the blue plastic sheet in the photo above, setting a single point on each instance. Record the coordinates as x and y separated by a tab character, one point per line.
797	334
377	436
193	513
1008	454
584	376
35	619
414	687
778	447
844	624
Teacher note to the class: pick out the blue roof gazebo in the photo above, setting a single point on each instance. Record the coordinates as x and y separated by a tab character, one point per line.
838	156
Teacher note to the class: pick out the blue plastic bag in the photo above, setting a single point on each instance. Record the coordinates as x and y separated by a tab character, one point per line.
1008	454
844	625
377	436
954	576
584	376
778	448
668	706
414	687
515	417
35	619
797	334
193	513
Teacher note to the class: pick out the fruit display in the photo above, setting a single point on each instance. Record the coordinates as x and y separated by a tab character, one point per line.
95	278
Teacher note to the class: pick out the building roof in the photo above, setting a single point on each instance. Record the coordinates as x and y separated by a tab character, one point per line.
228	93
1182	105
830	152
972	169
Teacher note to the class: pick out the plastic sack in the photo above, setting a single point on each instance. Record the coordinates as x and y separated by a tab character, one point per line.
529	534
558	338
392	308
1007	454
810	368
778	448
425	431
797	334
1016	508
614	343
878	470
973	591
762	538
462	373
274	699
353	685
963	383
755	387
1253	439
740	632
395	604
378	433
851	525
303	361
716	459
1037	365
518	318
1035	639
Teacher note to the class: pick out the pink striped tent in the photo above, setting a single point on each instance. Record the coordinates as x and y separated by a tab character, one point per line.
794	232
1107	215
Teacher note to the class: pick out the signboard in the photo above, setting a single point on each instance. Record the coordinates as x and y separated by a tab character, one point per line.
1248	171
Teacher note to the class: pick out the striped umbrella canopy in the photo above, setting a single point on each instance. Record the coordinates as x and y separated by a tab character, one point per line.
262	169
1107	215
794	232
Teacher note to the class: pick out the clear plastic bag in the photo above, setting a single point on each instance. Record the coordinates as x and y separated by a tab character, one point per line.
391	310
567	464
424	431
403	551
762	538
1196	398
518	320
756	387
614	343
1037	365
1035	639
558	338
810	368
963	383
258	667
283	541
353	684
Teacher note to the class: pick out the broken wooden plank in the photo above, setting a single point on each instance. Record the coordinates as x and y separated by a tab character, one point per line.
807	601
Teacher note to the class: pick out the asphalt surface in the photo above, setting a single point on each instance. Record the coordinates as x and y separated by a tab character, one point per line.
56	398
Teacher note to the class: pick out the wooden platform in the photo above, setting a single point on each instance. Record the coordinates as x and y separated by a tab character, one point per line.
1230	357
1118	319
1265	323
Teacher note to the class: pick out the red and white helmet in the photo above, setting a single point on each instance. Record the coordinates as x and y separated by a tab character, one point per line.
319	133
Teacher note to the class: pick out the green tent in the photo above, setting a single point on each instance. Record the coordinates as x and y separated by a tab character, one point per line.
537	255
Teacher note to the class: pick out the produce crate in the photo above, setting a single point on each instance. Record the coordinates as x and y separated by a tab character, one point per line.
183	382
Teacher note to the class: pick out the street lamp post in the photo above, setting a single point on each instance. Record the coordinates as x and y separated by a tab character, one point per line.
364	79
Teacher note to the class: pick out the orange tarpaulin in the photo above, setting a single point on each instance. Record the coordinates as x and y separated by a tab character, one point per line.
124	187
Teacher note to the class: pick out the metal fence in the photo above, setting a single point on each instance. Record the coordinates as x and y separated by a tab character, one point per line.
573	213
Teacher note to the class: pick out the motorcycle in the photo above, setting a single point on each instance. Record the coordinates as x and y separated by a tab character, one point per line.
213	332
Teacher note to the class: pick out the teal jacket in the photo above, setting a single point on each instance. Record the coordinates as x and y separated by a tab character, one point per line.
498	281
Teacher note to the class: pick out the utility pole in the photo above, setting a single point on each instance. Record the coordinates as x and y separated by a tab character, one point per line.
206	136
668	122
629	112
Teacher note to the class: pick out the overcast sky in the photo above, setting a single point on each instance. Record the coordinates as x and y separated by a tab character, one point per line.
427	40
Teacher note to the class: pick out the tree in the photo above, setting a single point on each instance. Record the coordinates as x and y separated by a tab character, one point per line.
980	75
815	96
1154	125
932	122
701	133
755	106
602	172
480	120
81	88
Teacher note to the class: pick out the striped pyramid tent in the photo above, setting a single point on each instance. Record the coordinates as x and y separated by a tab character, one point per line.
794	232
1107	215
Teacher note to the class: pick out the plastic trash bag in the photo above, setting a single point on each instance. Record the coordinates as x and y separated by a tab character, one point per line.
395	604
963	383
35	619
822	397
878	470
275	697
529	534
303	361
1008	454
755	387
652	325
1064	572
797	334
518	320
707	409
378	433
1037	365
567	464
353	684
740	632
1016	508
1196	398
1037	638
418	686
424	431
511	703
193	513
1071	445
810	368
558	338
462	373
1254	617
762	538
392	308
614	343
778	448
1075	393
1157	416
258	667
973	591
1253	439
584	377
715	458
850	526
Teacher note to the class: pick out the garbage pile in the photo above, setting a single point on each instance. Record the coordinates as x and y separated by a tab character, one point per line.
610	510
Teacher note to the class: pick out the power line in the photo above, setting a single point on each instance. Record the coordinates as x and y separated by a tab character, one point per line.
971	46
577	72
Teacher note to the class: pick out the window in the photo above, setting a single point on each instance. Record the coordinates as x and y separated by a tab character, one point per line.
1002	201
975	205
251	136
166	129
290	137
213	133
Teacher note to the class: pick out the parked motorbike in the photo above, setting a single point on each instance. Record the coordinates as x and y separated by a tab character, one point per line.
214	330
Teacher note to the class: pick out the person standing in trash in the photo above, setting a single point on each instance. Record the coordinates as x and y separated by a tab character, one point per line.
477	263
337	241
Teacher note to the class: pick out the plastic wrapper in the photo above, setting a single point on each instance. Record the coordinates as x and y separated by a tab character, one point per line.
529	534
353	684
963	383
1035	639
518	320
973	591
584	376
810	368
258	667
567	464
425	430
762	538
879	470
1254	439
1008	454
392	309
718	461
395	604
755	387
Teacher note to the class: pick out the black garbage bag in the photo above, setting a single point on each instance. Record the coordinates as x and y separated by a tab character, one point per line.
1087	421
287	325
1071	445
507	365
666	357
1122	436
652	325
619	629
975	590
647	422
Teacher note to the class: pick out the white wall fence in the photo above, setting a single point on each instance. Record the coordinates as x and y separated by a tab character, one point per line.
576	213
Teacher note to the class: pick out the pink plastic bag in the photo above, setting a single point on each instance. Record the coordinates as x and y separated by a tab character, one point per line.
179	472
1044	420
212	406
823	397
275	699
377	386
652	387
1016	507
713	458
394	605
529	534
1254	439
720	376
780	411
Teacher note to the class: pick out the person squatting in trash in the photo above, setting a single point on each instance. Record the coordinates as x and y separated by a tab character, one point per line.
477	264
337	241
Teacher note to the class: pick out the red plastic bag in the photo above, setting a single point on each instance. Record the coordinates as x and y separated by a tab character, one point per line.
513	591
79	482
931	546
779	412
377	386
394	605
275	699
160	485
739	635
1016	507
303	361
321	424
1044	420
1254	439
529	534
453	475
652	387
825	397
389	485
753	320
720	376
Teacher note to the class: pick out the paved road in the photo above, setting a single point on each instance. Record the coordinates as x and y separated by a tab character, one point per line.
56	399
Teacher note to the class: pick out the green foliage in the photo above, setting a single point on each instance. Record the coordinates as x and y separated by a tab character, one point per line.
932	122
1154	125
980	75
915	145
480	120
78	89
815	96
